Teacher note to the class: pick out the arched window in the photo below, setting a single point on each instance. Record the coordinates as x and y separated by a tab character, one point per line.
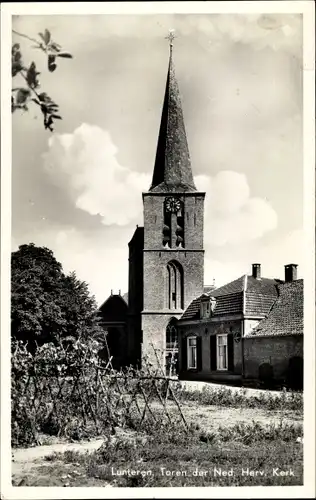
171	359
171	336
174	285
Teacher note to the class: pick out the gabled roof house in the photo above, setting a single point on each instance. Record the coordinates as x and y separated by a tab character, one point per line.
215	328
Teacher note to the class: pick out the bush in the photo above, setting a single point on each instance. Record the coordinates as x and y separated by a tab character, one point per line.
44	398
225	397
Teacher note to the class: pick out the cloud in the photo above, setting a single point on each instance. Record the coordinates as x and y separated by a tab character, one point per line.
231	214
278	31
84	164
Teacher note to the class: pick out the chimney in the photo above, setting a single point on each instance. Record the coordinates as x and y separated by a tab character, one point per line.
119	292
256	271
111	292
290	272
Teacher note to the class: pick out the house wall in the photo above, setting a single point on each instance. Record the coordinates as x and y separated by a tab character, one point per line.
205	330
249	325
275	351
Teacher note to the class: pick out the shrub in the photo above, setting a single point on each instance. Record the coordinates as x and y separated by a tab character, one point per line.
223	396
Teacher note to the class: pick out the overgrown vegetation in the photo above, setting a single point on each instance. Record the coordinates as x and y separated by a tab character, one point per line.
70	392
196	458
223	396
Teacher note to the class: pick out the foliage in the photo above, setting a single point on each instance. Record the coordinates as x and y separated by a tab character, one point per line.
189	452
42	389
223	396
47	305
62	390
22	96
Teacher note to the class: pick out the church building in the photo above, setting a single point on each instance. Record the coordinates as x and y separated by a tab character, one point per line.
251	328
166	256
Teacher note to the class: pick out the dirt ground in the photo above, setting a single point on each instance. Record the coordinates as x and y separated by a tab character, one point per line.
212	417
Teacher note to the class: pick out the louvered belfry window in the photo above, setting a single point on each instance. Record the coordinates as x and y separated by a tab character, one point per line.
173	227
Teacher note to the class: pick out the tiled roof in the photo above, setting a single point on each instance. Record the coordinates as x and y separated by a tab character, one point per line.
192	311
265	286
232	287
227	304
260	295
286	315
259	304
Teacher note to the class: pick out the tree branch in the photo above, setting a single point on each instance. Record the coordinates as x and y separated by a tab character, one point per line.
28	37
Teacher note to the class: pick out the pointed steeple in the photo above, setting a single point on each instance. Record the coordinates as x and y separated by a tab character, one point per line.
172	171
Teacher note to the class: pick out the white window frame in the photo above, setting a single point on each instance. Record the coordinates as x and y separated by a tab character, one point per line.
205	309
220	335
192	337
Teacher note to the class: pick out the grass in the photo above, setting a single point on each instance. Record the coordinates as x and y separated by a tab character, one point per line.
222	458
225	397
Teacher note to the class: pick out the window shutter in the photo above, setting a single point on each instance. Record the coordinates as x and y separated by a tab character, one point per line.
199	353
213	351
184	356
230	347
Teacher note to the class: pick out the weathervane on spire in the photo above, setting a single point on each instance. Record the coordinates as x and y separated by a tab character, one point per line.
171	36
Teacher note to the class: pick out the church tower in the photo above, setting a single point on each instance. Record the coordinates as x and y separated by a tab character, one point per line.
172	258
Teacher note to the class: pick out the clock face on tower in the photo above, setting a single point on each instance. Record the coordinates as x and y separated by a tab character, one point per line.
173	205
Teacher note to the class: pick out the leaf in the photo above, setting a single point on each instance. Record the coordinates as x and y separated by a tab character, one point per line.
47	36
22	96
16	68
48	123
31	76
51	63
42	96
54	46
37	101
65	54
57	117
17	56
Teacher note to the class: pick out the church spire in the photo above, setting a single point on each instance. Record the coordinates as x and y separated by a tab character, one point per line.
172	171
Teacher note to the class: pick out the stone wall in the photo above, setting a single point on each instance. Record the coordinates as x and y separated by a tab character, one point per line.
156	313
272	356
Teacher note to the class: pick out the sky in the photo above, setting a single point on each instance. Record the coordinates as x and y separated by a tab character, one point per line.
78	189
